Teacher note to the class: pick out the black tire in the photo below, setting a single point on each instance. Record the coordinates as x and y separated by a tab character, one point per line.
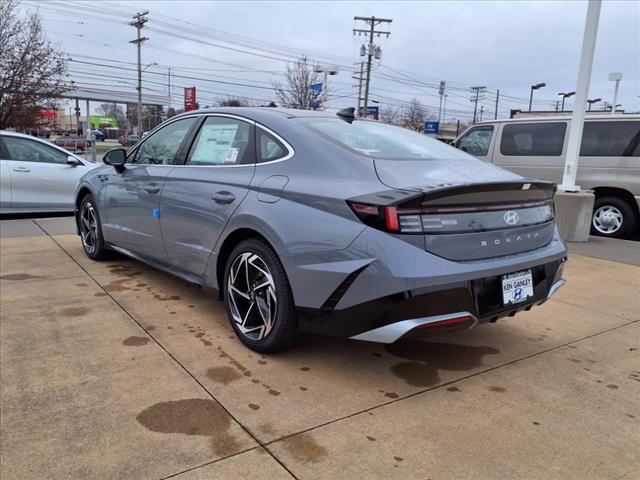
283	331
98	251
628	222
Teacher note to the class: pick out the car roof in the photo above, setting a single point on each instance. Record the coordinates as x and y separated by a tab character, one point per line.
262	113
556	118
7	133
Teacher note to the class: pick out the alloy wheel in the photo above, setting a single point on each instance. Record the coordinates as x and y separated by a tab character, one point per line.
89	228
252	296
607	219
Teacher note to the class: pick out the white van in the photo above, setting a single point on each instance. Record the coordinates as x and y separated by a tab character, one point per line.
609	161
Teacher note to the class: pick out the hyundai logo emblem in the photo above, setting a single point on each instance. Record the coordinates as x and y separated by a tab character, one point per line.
511	217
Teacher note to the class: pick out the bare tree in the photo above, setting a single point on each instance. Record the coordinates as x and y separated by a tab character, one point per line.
232	102
32	69
414	115
297	92
390	115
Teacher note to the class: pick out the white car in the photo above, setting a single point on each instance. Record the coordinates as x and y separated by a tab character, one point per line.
37	176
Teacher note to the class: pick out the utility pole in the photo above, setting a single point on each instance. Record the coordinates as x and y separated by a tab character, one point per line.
495	115
370	50
139	20
476	93
169	86
443	86
360	78
444	109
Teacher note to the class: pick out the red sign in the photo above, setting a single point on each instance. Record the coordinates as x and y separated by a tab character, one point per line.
190	98
48	115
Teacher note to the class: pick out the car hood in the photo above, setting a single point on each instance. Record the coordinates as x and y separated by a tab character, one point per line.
422	175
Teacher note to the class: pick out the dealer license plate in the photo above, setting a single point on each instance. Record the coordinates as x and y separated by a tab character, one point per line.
517	287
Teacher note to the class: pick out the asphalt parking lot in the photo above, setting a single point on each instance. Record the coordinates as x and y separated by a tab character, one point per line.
115	370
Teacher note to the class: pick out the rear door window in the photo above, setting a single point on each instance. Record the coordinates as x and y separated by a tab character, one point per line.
476	141
610	139
222	141
533	139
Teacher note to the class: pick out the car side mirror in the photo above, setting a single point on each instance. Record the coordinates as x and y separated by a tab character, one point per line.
73	161
116	158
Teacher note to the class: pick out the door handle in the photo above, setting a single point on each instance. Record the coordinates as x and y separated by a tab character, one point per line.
103	178
223	197
21	169
151	188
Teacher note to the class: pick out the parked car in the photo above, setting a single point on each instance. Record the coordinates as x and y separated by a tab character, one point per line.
74	144
609	162
311	221
36	176
99	136
128	140
43	132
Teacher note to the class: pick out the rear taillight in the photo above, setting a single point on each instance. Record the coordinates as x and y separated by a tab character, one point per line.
452	219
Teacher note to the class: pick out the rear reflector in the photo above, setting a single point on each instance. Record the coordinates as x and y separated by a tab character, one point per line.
449	321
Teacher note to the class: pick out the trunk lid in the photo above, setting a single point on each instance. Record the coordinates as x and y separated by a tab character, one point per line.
469	210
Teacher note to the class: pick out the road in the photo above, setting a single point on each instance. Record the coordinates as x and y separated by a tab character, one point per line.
116	370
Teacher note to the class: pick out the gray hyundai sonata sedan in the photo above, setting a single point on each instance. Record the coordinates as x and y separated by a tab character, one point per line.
322	222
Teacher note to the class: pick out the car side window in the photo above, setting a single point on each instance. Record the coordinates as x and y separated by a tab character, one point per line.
163	146
222	141
269	147
533	139
25	150
476	141
610	139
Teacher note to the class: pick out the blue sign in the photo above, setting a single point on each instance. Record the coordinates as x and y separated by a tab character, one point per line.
370	110
317	87
431	127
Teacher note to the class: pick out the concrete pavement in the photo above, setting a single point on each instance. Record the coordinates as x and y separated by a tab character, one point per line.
116	370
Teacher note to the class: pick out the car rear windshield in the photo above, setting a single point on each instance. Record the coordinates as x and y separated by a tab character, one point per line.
379	140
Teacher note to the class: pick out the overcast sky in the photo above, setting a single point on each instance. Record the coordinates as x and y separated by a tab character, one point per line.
500	45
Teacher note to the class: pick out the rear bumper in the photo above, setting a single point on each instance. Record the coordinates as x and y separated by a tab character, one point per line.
440	308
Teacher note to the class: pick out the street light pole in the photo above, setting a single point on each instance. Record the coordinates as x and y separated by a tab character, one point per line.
582	90
615	77
535	87
565	95
591	102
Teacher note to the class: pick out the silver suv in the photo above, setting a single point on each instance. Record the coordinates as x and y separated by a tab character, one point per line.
609	161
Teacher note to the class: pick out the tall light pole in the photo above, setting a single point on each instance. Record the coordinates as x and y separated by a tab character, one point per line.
139	20
325	70
591	102
370	50
537	86
565	95
582	90
615	77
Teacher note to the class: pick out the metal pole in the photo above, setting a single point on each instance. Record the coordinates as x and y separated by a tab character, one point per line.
88	131
582	90
444	109
169	86
563	97
615	97
530	98
495	115
440	110
325	92
481	110
369	57
360	86
139	108
475	104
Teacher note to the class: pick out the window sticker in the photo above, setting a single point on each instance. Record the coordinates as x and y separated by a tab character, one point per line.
214	145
